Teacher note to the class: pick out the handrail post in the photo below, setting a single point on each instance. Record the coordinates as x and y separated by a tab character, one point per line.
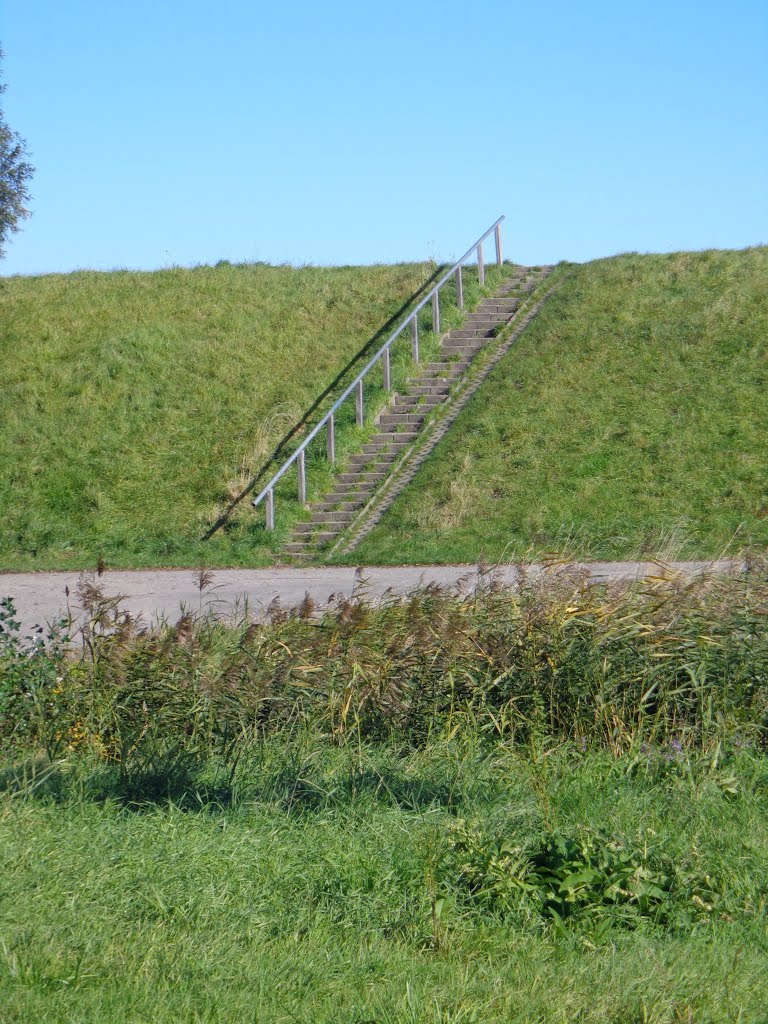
414	339
359	403
270	510
436	312
459	289
330	441
480	265
497	233
302	477
387	375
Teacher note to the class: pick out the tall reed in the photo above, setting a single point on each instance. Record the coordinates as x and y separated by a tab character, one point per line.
667	660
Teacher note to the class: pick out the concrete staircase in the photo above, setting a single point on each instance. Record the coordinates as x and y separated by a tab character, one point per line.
402	421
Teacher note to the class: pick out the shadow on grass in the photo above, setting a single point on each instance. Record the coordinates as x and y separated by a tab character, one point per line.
281	448
189	783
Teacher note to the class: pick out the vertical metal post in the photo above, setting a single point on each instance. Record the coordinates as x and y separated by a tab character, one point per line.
436	312
387	375
359	403
480	265
302	477
414	339
459	289
270	509
330	441
497	233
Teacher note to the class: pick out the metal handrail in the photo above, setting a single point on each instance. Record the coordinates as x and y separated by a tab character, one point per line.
433	296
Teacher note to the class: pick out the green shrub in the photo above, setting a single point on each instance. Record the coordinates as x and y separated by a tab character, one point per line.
582	877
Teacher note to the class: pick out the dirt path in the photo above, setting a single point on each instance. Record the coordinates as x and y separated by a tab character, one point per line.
40	598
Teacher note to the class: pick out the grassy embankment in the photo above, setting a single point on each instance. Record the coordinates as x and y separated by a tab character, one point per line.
629	421
135	405
548	806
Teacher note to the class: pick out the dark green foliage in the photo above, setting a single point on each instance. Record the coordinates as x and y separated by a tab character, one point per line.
33	703
15	173
583	878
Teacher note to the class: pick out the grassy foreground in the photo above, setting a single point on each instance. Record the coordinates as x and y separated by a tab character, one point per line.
394	893
628	421
534	806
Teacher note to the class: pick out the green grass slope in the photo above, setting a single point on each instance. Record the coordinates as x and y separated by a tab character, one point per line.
133	404
630	420
288	909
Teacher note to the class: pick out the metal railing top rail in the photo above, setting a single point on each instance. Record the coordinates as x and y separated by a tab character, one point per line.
410	317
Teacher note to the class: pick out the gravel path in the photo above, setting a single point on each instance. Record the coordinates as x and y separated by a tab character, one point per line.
40	598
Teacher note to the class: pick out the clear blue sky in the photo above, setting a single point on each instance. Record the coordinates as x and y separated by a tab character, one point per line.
182	132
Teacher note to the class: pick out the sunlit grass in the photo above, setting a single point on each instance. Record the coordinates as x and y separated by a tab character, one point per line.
135	406
284	908
408	812
628	421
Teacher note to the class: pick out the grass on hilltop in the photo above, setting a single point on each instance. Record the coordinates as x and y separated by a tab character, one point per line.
541	805
136	405
628	421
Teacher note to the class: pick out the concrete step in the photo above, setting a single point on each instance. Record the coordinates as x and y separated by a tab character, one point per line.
388	419
357	484
483	317
508	306
464	352
465	335
369	458
443	371
301	528
444	365
345	492
450	345
445	368
332	516
350	486
384	448
352	503
409	403
393	437
429	390
350	478
449	372
295	547
326	536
